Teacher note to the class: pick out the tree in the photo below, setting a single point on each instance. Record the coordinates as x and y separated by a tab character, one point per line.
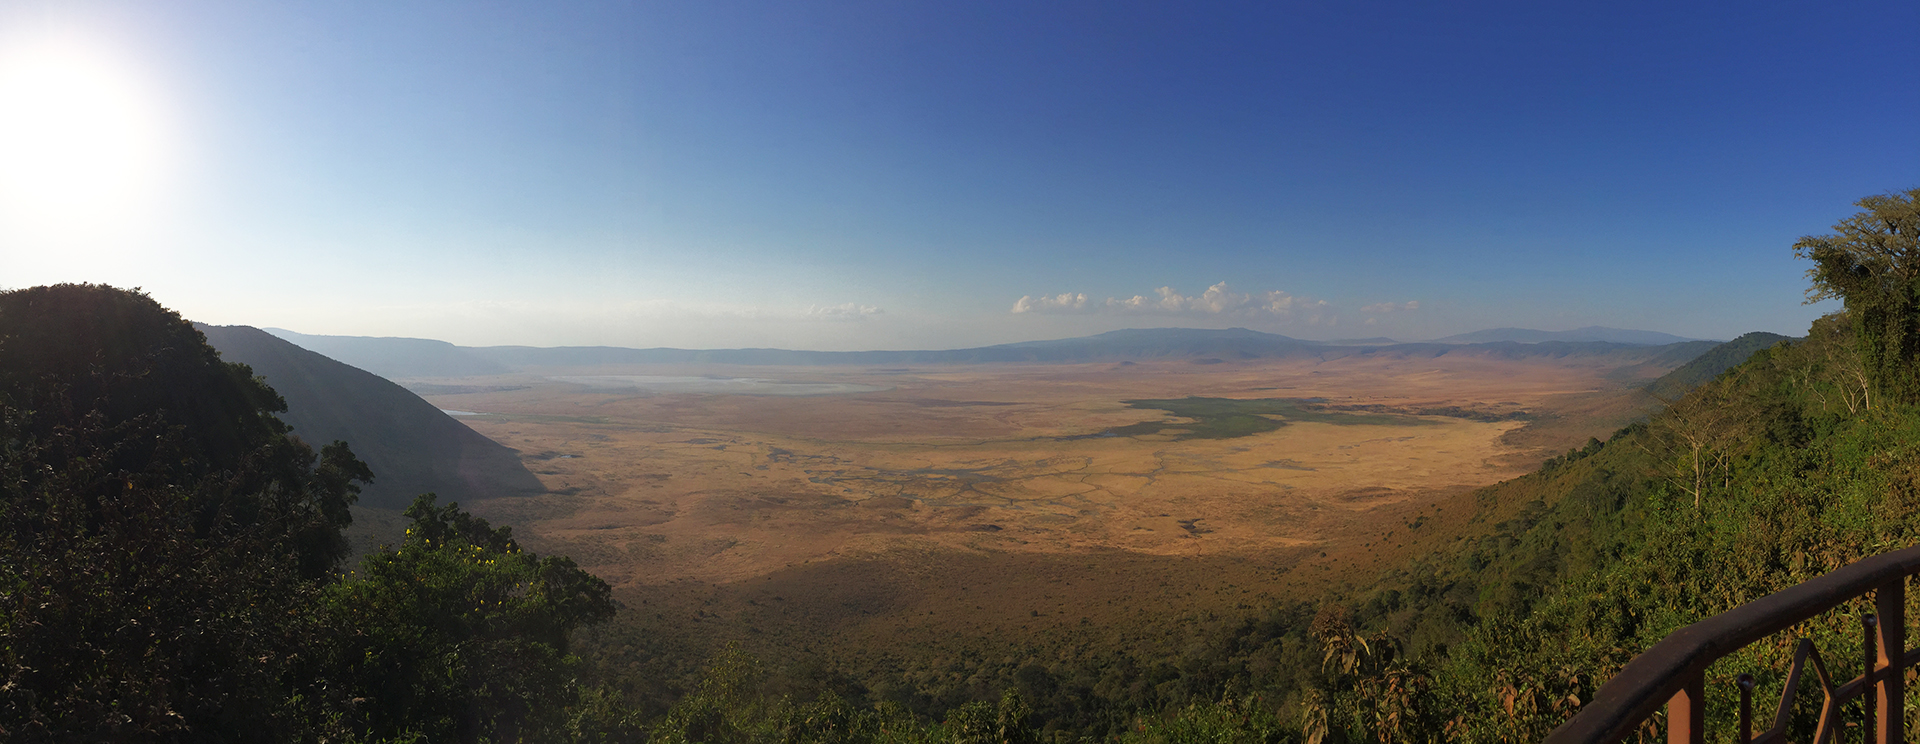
1370	691
169	553
1872	263
1703	427
1834	376
161	537
458	634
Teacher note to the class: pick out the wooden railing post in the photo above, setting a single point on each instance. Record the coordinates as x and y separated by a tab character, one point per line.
1672	672
1687	712
1890	604
1871	646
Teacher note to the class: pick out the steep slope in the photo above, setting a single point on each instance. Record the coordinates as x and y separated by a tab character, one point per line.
411	446
1709	365
1766	474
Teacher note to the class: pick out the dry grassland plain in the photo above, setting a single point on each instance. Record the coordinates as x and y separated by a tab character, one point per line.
970	501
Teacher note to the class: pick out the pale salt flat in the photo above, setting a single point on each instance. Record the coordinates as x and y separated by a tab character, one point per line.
672	384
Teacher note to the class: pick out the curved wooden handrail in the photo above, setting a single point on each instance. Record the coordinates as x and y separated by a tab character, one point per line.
1654	677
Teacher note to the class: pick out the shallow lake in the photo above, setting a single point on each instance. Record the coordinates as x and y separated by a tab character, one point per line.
717	385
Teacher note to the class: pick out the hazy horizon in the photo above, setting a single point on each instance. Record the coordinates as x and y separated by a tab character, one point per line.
876	176
276	331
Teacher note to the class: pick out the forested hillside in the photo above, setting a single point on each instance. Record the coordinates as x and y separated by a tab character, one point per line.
1707	366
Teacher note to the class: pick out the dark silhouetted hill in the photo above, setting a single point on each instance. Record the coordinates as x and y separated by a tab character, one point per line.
121	353
411	446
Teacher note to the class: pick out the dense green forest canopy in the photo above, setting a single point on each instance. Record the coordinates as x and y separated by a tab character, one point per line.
170	559
1872	262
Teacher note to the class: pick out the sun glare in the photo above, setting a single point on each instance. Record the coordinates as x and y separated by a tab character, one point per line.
81	145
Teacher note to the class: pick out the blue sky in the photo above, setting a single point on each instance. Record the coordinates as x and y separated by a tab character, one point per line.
922	175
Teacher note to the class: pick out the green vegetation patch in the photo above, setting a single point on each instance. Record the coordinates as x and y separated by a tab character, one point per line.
1227	418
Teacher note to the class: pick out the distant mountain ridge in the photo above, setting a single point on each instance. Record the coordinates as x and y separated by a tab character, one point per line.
402	358
392	357
1589	334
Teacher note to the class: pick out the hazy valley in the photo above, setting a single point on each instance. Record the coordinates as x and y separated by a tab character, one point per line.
845	511
1126	528
956	373
1025	459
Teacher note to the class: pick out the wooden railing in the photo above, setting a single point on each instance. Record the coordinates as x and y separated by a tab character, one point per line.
1673	672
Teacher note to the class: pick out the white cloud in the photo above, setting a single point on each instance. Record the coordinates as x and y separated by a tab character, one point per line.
1066	302
842	311
1389	307
1217	300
